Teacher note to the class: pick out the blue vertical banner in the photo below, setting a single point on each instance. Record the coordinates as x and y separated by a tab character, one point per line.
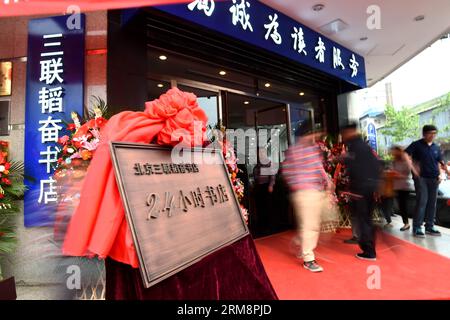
372	136
55	79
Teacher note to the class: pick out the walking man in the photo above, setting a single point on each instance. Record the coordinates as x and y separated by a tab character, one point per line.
304	173
364	170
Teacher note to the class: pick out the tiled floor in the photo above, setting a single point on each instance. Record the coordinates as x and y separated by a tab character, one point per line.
440	245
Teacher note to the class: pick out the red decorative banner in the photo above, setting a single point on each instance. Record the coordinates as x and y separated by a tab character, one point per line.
9	8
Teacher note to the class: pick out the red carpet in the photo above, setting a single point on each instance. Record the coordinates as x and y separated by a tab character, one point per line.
406	271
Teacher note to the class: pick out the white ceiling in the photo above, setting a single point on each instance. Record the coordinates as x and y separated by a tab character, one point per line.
399	39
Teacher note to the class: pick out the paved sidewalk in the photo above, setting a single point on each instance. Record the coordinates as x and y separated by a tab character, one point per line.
440	245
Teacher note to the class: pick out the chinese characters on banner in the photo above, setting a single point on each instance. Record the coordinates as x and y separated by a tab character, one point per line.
55	73
253	22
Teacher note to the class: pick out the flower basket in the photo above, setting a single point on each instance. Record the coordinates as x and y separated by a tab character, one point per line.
76	152
345	220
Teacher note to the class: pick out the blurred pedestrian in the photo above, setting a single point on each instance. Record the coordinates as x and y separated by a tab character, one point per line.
387	194
427	168
304	173
364	170
401	166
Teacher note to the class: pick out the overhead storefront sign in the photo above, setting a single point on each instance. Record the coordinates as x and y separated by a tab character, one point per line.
255	23
10	8
55	77
179	209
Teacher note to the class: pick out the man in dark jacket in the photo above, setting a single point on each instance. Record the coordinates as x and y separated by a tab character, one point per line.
364	170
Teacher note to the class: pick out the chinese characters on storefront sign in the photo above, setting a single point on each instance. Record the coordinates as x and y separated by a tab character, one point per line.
55	74
51	102
253	22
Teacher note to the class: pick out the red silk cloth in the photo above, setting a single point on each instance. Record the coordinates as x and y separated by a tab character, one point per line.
36	7
98	226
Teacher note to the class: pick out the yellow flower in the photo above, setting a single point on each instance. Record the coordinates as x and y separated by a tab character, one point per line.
86	154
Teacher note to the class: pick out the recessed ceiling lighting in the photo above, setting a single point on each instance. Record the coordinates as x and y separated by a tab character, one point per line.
334	26
222	73
160	85
267	85
363	38
246	102
318	7
302	93
163	58
419	17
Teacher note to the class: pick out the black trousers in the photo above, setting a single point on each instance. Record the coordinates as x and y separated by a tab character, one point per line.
387	204
402	198
362	208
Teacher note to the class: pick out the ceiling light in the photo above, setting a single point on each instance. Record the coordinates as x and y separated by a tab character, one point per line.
302	93
267	85
334	26
318	7
163	58
160	85
419	17
222	73
246	102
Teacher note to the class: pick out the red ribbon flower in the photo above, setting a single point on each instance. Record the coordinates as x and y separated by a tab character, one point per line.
184	119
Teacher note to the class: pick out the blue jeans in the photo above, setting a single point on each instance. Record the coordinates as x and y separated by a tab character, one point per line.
426	197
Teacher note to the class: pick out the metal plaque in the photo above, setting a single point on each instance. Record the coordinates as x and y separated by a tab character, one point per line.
179	209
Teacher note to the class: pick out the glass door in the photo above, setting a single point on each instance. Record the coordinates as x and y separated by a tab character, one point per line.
272	204
261	128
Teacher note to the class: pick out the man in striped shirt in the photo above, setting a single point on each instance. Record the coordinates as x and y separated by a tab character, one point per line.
304	173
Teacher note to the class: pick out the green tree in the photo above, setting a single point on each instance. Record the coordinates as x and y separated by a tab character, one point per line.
401	124
442	106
